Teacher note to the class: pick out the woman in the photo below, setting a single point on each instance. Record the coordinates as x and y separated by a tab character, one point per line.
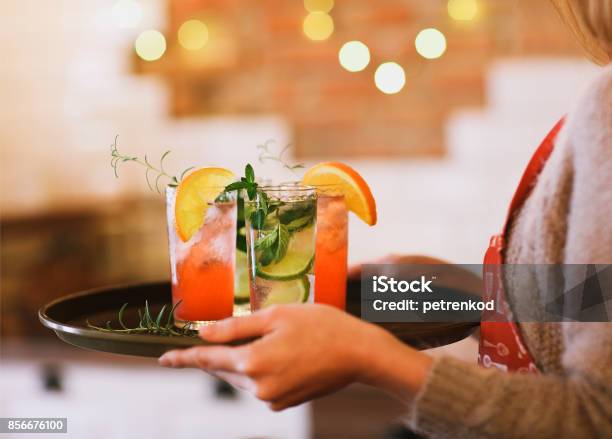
561	214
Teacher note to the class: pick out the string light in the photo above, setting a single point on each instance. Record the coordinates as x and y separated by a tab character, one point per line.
390	78
430	43
150	45
318	5
193	35
318	26
354	56
462	10
127	13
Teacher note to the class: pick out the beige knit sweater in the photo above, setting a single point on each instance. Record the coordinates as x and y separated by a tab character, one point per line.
566	219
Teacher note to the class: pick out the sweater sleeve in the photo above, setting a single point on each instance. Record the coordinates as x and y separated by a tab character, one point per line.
464	400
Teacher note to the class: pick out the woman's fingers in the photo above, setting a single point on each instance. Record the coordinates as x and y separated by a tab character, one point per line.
236	328
217	358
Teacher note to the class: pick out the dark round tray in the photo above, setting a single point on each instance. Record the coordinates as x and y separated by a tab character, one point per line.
67	317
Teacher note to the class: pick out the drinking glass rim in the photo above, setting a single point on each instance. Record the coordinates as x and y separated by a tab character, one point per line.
325	190
297	183
290	187
287	193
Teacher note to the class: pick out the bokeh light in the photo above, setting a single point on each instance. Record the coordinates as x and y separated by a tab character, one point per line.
318	5
127	13
430	43
150	45
193	35
462	10
318	26
390	78
354	56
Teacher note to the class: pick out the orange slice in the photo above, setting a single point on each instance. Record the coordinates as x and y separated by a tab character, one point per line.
357	193
193	196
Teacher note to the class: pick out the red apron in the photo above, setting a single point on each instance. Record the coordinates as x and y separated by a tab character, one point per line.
501	344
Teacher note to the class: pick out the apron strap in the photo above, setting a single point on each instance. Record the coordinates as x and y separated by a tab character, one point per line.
501	344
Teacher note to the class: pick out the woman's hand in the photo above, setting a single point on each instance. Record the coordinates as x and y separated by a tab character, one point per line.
305	351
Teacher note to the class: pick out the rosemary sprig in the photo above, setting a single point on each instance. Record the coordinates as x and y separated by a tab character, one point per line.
158	172
266	155
148	324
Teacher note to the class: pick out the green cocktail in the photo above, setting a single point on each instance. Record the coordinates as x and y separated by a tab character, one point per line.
280	229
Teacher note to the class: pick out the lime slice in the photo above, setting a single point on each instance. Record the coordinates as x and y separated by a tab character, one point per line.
286	292
241	282
297	261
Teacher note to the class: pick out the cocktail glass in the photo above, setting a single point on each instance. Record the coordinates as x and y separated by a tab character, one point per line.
203	268
331	247
280	226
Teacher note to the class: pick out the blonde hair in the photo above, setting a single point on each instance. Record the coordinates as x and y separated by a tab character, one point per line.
591	23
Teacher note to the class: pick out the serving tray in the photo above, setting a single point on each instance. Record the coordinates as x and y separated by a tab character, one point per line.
67	316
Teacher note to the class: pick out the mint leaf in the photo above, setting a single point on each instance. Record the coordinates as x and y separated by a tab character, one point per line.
297	210
273	245
299	223
266	240
237	185
266	257
282	242
251	190
249	173
247	182
263	202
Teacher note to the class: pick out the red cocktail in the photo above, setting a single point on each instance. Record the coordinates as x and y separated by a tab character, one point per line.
203	266
331	249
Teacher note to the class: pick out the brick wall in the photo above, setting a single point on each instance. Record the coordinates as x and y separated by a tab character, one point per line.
258	60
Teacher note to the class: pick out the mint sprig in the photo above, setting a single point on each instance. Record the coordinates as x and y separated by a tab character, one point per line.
251	187
275	225
247	183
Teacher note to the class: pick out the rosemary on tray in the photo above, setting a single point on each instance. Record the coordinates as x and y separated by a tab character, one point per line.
148	324
158	172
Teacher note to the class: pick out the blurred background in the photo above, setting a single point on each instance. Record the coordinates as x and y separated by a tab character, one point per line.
437	103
